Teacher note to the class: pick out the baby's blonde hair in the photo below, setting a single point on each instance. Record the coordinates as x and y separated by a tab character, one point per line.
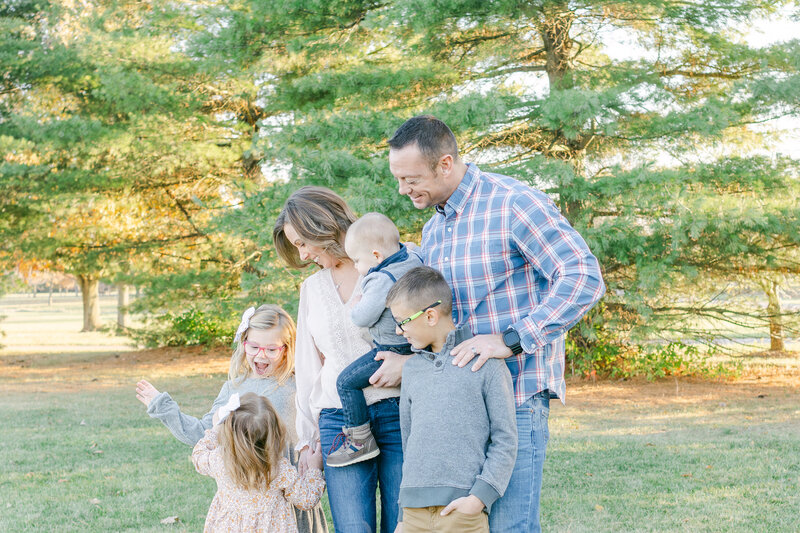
252	439
267	316
374	231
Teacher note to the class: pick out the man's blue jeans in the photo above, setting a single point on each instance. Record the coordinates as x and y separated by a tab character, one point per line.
351	489
518	509
355	377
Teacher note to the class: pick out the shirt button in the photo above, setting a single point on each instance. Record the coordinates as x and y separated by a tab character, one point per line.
447	259
449	230
438	363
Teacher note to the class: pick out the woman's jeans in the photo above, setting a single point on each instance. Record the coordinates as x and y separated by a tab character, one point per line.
355	377
518	509
351	489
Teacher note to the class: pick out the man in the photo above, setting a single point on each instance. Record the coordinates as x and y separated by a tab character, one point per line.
521	277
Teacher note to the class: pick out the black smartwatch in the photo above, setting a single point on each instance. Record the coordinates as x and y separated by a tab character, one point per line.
511	339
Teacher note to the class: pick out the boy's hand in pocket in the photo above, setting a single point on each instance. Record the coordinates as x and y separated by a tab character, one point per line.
466	505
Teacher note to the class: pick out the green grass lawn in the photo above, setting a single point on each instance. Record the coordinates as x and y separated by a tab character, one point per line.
79	453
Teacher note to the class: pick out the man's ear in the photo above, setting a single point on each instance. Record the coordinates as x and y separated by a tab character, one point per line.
446	164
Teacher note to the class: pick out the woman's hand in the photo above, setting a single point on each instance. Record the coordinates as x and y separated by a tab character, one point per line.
399	528
146	392
391	371
466	505
302	461
315	457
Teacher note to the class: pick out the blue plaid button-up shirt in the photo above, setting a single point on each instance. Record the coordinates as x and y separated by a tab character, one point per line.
512	259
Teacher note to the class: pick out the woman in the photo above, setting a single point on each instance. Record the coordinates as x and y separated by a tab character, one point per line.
262	363
311	228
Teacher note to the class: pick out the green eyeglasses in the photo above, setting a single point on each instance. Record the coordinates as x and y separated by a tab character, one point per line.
415	315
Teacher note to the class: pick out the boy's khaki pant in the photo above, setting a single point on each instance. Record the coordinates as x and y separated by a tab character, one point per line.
428	519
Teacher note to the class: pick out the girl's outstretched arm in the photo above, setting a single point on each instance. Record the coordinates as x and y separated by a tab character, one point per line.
304	492
185	428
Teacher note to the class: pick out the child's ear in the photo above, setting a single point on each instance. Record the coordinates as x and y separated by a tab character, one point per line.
432	316
377	255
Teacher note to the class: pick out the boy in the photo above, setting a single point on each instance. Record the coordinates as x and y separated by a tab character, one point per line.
373	243
458	427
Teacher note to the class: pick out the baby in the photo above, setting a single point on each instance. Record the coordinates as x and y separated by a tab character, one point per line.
373	243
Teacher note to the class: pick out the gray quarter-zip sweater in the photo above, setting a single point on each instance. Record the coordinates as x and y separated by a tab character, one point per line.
458	427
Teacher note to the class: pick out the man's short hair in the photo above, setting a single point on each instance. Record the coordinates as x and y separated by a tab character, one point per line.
432	136
374	231
420	287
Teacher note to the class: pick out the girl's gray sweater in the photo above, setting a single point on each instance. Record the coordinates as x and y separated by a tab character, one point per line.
189	429
458	427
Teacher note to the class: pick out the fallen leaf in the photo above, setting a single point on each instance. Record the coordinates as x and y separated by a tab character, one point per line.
598	507
589	474
686	475
170	520
63	480
709	466
83	422
98	451
649	444
94	501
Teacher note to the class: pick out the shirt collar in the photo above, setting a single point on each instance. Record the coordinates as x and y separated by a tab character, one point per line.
458	200
397	257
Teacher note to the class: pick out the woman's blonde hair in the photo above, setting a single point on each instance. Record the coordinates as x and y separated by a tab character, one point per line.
319	216
267	316
252	439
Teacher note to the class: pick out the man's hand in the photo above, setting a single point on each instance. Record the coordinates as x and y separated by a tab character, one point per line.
484	347
467	505
391	371
145	392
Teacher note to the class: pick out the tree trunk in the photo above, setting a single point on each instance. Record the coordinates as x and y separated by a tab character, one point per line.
770	287
123	297
89	284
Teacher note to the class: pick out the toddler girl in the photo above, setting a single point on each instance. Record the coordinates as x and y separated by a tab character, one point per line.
256	485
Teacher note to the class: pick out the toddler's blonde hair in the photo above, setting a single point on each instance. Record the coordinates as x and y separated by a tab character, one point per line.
266	317
252	439
373	231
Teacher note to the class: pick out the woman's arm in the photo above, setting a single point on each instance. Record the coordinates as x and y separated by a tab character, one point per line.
308	365
185	428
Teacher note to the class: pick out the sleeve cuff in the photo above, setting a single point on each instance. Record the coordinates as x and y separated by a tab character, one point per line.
302	444
530	337
156	407
484	492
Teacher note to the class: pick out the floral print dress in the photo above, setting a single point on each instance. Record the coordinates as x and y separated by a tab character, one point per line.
266	510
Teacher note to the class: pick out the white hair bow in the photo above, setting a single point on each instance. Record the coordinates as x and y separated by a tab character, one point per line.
232	405
244	324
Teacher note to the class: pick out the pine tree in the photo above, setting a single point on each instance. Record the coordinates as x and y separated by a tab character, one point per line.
656	158
113	162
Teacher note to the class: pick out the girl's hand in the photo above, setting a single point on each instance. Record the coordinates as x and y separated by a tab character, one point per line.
146	392
315	457
466	505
